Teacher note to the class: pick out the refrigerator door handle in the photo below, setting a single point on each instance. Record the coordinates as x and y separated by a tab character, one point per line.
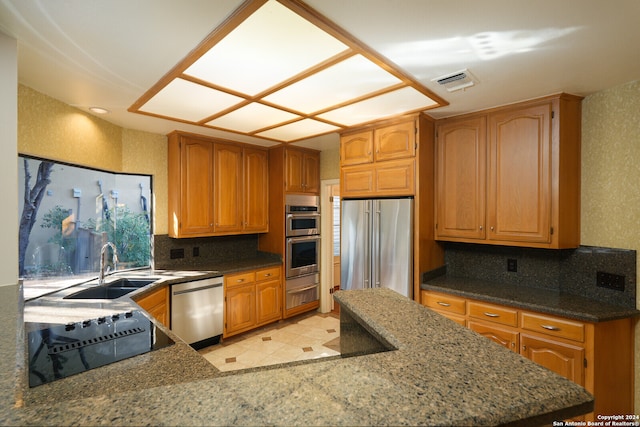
367	256
376	258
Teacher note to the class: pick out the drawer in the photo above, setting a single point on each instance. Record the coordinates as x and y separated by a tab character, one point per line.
239	279
268	273
493	313
443	302
554	326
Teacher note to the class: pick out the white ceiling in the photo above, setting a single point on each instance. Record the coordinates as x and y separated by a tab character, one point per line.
109	52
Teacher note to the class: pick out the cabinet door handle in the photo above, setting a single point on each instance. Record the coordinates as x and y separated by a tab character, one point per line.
480	228
491	228
551	328
444	304
486	313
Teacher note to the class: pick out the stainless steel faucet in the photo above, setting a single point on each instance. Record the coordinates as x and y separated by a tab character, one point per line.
102	263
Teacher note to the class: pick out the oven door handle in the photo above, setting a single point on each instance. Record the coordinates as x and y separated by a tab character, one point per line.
303	238
298	290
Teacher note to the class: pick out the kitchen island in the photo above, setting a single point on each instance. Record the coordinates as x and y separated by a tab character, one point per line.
434	373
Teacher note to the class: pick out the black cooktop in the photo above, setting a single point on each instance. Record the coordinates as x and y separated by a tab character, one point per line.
58	351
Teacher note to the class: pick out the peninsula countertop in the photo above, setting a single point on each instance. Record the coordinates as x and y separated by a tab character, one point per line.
440	374
542	300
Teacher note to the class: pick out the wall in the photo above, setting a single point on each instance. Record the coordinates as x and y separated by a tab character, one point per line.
52	129
610	177
330	164
8	156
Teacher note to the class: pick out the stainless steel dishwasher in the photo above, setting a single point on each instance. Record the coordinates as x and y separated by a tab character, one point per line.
197	311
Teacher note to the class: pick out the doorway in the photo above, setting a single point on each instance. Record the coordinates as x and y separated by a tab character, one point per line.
330	232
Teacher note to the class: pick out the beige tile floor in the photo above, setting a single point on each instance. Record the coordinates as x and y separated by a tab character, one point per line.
308	336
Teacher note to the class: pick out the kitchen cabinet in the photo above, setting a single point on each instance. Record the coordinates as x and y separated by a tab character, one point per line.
227	188
394	141
379	161
598	356
252	298
156	304
511	175
302	171
395	158
256	190
190	186
216	188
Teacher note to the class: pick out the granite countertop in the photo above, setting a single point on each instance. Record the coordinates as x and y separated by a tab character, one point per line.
439	374
529	298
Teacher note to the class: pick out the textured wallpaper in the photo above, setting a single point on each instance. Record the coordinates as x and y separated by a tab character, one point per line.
611	177
54	130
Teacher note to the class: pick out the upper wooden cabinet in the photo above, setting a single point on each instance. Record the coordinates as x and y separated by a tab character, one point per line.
302	169
356	148
216	188
395	158
379	162
396	141
511	176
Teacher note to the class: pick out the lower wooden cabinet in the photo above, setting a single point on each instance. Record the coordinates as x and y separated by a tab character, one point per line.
156	304
252	299
598	356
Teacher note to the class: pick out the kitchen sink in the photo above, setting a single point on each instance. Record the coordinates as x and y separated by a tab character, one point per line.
111	290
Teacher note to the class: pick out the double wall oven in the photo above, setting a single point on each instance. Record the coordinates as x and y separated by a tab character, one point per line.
302	258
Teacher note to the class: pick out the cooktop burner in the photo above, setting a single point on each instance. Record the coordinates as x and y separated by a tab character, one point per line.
58	351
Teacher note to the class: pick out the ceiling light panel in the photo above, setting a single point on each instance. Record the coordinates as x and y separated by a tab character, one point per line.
271	46
349	79
252	117
279	70
389	104
202	101
298	130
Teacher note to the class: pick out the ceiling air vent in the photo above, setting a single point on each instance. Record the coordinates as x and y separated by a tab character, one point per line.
456	81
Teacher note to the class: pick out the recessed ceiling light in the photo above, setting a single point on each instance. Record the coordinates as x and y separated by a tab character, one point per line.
99	110
279	70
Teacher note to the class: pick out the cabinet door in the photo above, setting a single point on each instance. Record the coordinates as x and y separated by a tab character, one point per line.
240	313
356	180
311	171
461	178
356	148
268	301
395	178
563	359
227	188
293	169
196	204
505	337
256	191
520	174
157	304
396	141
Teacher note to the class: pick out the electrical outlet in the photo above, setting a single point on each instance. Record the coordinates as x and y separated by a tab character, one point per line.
196	251
176	253
610	281
512	265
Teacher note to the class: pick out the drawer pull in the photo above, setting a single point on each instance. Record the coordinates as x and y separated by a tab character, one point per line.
551	328
267	275
240	280
444	304
488	314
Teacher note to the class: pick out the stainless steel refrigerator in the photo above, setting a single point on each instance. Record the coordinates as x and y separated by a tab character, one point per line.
376	244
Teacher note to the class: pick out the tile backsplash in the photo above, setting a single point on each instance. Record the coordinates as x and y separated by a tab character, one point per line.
202	252
568	270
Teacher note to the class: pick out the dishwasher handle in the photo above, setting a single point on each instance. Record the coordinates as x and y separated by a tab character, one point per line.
202	288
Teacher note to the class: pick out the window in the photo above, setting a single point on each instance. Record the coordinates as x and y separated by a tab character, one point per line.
70	212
